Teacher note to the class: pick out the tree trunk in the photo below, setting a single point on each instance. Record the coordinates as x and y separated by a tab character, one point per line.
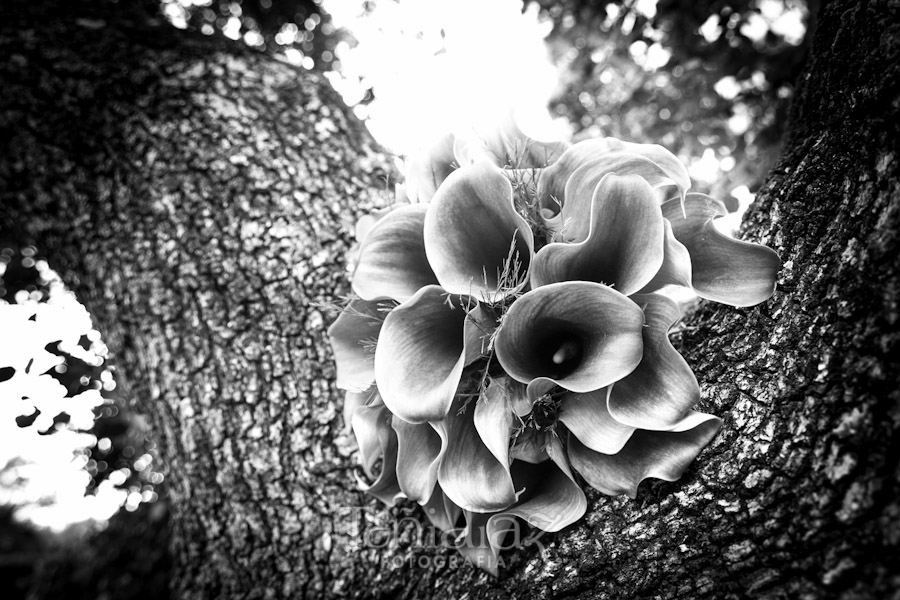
200	198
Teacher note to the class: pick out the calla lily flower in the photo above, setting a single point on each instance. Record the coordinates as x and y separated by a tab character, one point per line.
722	268
504	146
392	259
623	247
660	454
660	392
472	474
418	458
428	332
353	336
601	156
580	334
376	439
441	511
427	169
511	328
477	256
550	500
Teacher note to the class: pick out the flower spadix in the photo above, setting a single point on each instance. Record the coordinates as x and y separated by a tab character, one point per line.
582	335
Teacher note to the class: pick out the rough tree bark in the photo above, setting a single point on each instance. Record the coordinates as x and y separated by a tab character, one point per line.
199	198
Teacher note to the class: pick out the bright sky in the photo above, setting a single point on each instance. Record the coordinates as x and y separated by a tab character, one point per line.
439	66
51	466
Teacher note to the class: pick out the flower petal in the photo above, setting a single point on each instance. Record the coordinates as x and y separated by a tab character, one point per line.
518	396
676	267
530	446
494	420
552	189
353	336
722	268
353	400
376	439
427	169
551	499
537	387
364	423
392	261
515	393
580	334
475	240
623	245
665	160
366	222
482	539
418	457
441	511
661	454
587	417
419	357
660	392
573	220
470	474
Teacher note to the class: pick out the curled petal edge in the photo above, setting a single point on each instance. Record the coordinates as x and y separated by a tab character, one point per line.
420	356
470	473
661	454
392	260
579	334
660	392
553	502
621	244
353	335
475	240
418	457
552	191
587	417
723	269
376	439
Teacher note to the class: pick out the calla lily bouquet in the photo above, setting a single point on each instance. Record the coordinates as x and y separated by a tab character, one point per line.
507	330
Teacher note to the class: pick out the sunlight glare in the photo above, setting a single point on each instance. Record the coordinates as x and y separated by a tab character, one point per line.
439	67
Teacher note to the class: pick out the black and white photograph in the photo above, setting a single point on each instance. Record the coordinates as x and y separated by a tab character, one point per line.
450	299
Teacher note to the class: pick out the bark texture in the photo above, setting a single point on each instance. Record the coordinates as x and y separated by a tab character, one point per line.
200	198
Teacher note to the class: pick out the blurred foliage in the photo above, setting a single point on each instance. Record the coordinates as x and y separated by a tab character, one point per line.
125	560
708	78
122	448
298	27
